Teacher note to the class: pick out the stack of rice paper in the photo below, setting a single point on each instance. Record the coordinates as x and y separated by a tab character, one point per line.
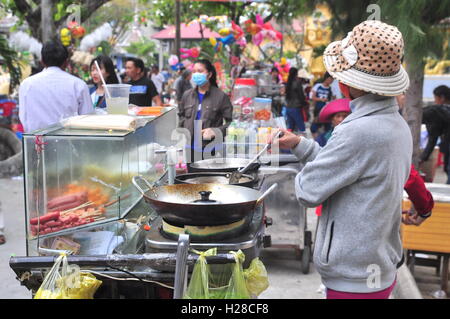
101	122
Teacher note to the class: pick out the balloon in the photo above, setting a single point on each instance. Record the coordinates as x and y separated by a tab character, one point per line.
261	30
173	60
176	67
283	67
258	38
251	27
237	30
93	39
66	37
224	32
190	53
228	40
78	32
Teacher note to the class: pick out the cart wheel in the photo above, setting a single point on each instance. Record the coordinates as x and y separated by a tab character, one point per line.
306	259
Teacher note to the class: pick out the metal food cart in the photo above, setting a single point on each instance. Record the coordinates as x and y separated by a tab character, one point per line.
122	240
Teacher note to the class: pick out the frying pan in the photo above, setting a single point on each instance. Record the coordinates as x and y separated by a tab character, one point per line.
215	178
202	204
223	165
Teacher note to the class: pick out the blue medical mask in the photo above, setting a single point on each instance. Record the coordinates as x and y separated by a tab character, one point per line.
199	78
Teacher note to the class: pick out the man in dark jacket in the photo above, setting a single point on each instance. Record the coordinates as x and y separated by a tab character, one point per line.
183	83
437	120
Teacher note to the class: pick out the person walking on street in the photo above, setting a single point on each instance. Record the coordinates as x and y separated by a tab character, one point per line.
295	102
157	78
321	94
437	121
183	84
53	94
142	92
360	174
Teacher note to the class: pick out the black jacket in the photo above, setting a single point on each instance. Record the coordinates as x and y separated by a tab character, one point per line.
437	120
295	96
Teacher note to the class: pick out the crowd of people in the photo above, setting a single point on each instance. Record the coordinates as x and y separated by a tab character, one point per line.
53	94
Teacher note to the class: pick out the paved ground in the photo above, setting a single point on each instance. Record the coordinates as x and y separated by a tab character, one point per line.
283	265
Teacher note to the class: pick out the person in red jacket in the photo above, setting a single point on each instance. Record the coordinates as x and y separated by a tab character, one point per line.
420	197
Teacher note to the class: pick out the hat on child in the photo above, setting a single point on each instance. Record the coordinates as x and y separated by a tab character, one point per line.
333	107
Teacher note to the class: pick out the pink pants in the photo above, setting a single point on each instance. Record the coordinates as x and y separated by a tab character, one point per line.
383	294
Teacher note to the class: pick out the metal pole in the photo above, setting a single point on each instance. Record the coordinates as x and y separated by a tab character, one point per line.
46	20
181	266
178	28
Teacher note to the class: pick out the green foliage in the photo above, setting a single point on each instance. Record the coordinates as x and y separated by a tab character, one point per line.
11	61
318	51
288	10
144	49
418	21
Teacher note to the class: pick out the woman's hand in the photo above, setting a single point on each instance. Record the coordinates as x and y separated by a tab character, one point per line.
287	141
208	134
412	219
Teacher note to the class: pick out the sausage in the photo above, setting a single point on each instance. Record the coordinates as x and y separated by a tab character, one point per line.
70	205
61	200
67	199
45	218
54	224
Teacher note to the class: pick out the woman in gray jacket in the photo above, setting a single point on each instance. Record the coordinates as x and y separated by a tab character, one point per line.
360	173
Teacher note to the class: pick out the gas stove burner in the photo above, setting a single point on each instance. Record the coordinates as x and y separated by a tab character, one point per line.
247	237
204	233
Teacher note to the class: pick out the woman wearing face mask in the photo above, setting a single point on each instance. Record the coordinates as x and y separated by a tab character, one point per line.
97	91
205	111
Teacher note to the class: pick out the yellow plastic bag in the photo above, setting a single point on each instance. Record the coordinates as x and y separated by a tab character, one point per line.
256	277
67	283
217	281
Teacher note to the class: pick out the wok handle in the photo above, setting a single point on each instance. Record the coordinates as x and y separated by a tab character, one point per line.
135	182
261	182
267	192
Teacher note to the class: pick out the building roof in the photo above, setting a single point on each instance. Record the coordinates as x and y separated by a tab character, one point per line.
191	31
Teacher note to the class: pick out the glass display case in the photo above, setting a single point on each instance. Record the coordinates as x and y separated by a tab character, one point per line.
79	194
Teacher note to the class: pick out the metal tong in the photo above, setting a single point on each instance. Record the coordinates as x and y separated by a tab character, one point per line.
236	175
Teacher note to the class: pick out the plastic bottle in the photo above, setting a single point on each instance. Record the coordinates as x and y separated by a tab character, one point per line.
240	138
252	138
230	140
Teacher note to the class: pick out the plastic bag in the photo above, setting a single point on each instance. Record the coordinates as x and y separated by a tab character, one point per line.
67	283
256	277
217	281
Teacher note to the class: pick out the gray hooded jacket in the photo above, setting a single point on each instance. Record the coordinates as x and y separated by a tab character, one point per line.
359	178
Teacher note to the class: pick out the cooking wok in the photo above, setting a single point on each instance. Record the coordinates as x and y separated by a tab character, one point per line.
215	178
202	204
223	165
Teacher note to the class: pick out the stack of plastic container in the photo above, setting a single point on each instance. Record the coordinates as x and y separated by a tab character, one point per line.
244	91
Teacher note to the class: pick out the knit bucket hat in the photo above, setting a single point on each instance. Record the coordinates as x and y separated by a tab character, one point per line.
369	59
335	106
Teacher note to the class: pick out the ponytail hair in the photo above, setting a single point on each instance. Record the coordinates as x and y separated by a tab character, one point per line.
211	69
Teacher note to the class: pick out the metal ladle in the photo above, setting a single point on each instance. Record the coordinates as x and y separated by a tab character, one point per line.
236	175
